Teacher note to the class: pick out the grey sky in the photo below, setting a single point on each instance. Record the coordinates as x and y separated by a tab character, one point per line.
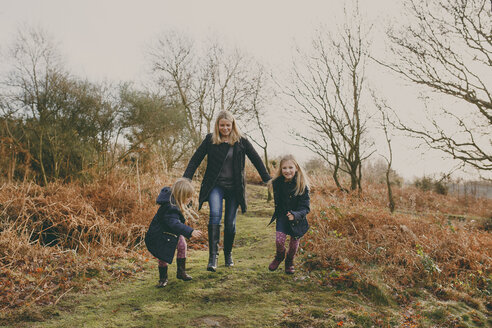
106	39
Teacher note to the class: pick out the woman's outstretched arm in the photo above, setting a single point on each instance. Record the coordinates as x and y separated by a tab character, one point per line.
256	160
197	158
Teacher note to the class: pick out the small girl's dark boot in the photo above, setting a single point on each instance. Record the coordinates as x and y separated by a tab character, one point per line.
289	264
181	272
289	260
279	257
162	277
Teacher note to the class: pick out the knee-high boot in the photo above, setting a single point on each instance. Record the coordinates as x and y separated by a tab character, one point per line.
289	259
228	242
213	246
181	271
162	277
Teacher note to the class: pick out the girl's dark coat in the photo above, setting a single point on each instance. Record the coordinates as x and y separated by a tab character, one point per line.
297	205
162	237
216	155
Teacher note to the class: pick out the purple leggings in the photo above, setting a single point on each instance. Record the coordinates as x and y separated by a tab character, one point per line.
181	251
280	243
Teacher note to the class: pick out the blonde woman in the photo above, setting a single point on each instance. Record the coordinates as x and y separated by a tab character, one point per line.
168	230
291	195
225	149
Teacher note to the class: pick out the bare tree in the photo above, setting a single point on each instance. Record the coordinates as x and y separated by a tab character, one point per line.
447	47
29	86
327	86
261	95
203	81
383	109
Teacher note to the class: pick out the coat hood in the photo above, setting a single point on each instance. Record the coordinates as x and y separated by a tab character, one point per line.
164	197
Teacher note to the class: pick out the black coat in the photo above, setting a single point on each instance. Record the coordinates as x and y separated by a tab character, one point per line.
216	155
286	201
168	224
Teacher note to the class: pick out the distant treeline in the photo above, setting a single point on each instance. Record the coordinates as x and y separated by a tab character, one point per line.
476	189
57	126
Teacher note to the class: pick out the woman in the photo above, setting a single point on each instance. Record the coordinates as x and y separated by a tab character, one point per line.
224	179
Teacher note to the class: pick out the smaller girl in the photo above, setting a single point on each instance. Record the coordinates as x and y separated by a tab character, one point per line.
167	230
291	195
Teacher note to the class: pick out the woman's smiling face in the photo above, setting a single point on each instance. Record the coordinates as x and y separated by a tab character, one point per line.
225	127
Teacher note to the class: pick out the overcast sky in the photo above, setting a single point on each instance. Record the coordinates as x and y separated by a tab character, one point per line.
107	39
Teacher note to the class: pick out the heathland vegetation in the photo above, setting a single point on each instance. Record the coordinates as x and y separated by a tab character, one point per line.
428	263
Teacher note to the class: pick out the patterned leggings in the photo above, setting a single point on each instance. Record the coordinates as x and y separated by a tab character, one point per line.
182	246
280	243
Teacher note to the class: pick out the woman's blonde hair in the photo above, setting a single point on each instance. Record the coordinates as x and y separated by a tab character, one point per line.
181	190
302	181
235	135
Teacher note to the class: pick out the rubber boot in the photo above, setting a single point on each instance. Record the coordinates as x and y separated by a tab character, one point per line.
289	264
162	277
279	257
213	246
228	242
291	253
181	272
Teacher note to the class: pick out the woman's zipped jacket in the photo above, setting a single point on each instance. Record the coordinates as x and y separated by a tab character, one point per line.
161	238
216	155
298	205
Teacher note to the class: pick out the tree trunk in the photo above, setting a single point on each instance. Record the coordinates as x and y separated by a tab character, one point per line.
353	180
359	178
267	165
390	192
335	176
43	172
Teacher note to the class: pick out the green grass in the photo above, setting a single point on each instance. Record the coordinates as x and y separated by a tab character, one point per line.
247	295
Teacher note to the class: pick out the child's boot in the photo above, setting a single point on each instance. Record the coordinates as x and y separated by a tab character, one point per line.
279	257
289	264
162	277
181	272
289	260
213	246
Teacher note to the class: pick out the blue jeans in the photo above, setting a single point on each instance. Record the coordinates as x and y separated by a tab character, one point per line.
215	203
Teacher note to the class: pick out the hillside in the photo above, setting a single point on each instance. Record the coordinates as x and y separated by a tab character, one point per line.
335	285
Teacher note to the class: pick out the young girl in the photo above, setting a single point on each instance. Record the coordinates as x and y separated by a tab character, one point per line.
167	230
291	195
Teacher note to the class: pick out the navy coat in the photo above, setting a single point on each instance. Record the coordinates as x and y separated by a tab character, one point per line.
216	155
297	205
161	238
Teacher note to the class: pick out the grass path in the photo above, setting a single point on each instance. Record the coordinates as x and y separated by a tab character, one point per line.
247	295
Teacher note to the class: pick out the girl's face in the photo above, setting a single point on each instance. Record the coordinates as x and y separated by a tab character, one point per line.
225	127
288	170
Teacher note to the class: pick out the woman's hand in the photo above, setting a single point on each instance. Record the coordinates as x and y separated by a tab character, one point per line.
290	216
196	234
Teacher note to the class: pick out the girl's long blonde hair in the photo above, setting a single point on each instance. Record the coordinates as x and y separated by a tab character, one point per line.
181	190
235	135
302	181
